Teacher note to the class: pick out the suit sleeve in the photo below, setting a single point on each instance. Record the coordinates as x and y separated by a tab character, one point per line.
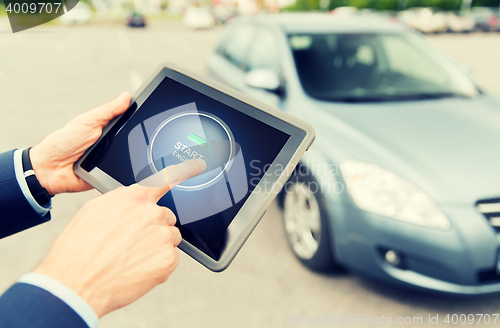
25	305
34	302
16	214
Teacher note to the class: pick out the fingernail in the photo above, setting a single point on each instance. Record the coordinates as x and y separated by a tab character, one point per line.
201	162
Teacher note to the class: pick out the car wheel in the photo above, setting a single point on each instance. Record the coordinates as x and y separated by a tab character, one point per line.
306	225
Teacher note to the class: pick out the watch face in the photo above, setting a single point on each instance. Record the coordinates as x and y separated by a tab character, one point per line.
193	135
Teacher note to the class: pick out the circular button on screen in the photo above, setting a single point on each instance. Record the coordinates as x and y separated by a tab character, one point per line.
193	136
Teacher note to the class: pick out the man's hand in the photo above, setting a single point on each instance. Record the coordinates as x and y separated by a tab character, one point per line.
120	245
53	158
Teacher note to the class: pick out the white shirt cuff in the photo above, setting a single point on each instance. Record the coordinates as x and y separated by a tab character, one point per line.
66	294
21	180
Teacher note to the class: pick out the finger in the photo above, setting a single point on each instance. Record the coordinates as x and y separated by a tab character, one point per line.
171	219
105	113
172	263
176	236
161	182
171	235
167	217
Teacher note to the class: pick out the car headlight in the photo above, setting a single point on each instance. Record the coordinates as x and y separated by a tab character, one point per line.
381	191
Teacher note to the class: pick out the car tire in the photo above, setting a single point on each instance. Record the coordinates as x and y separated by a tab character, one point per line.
305	220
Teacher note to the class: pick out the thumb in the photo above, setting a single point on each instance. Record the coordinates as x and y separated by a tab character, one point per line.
105	113
160	183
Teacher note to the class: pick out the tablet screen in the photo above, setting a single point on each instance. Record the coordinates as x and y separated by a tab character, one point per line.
176	123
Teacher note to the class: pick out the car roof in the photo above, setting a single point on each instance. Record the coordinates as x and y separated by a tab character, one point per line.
323	22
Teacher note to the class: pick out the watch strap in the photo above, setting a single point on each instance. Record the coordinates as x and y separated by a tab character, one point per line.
39	193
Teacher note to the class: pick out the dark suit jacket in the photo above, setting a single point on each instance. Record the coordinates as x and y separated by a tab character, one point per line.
24	305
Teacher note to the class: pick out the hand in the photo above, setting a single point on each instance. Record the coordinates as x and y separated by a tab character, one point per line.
53	158
120	245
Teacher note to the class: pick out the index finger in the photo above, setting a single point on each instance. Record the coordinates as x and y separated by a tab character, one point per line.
162	182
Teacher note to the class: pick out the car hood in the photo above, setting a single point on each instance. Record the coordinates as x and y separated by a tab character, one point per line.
449	147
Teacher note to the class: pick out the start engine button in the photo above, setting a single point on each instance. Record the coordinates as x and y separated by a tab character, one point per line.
193	135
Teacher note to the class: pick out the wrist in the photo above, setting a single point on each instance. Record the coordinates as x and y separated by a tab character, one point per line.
40	168
92	296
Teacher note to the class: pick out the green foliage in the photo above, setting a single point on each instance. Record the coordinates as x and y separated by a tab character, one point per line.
88	2
486	3
303	5
308	5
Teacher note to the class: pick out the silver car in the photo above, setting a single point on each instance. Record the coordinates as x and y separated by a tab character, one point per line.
403	181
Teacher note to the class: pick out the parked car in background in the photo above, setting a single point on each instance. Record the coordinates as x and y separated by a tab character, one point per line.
459	24
402	183
382	14
425	20
198	18
223	13
345	11
486	19
80	14
136	19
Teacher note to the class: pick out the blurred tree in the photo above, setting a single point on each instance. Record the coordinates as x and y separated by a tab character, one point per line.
486	3
307	5
339	3
303	5
443	4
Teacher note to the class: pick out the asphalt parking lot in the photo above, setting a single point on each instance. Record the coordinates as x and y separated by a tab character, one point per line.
50	74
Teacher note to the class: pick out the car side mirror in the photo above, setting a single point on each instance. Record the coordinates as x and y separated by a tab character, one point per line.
263	78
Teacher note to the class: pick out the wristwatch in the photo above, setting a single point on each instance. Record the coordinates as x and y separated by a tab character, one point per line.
39	193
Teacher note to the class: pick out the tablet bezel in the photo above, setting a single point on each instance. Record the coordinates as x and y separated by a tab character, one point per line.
257	203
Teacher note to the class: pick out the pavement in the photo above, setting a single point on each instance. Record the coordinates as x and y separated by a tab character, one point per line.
50	74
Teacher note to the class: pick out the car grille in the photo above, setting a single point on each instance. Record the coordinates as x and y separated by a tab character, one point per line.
491	210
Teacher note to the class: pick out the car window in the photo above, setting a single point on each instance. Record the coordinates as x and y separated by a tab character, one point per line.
263	52
375	67
407	60
237	43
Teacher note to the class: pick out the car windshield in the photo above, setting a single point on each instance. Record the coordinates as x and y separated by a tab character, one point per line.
375	67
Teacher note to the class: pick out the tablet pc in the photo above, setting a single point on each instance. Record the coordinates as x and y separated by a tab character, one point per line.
250	149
